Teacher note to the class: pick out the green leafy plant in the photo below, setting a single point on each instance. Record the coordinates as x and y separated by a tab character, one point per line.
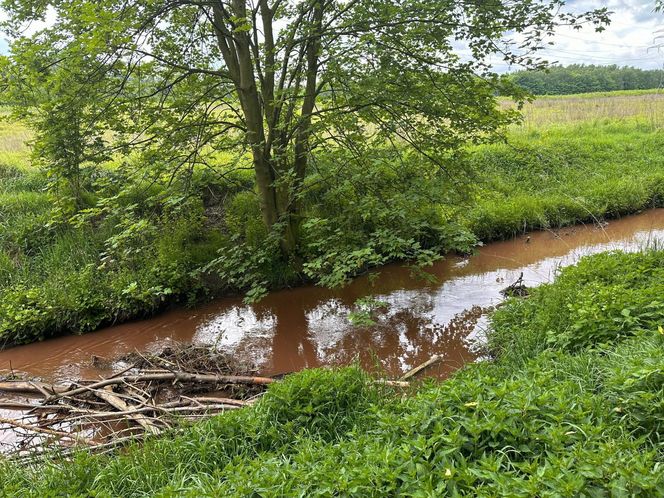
365	311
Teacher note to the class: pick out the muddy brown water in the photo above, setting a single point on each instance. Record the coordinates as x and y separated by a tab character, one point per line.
308	327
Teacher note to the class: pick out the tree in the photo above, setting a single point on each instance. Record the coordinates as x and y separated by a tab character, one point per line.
580	78
278	79
58	105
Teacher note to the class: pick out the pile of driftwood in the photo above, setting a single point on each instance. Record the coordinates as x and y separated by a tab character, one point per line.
152	394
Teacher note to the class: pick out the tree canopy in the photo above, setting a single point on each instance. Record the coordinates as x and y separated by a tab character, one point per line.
581	78
267	83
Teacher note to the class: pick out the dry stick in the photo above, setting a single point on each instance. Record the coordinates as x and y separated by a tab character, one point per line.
219	403
203	408
179	376
11	404
51	432
124	371
60	390
116	402
17	386
119	416
51	408
141	396
191	400
41	389
227	401
413	372
91	414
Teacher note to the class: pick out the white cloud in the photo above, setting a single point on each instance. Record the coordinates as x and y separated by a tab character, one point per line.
628	41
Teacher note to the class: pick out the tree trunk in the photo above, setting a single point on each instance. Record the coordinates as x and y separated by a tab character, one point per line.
277	201
279	180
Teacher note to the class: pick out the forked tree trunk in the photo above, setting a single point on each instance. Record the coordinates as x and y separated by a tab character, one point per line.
277	203
279	180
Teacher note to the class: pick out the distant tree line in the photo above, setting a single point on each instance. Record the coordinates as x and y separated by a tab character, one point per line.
581	78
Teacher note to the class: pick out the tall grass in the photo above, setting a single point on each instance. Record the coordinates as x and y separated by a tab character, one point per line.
639	107
562	174
14	138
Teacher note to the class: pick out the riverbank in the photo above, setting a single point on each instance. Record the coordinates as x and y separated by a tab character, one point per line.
416	320
570	406
142	249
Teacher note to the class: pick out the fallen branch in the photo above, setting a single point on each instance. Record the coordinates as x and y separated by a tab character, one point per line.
413	372
19	386
10	404
116	402
41	430
177	377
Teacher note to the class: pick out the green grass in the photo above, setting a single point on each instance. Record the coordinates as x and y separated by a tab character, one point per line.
573	406
560	175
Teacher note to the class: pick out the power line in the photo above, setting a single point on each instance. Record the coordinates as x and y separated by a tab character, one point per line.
566	54
562	35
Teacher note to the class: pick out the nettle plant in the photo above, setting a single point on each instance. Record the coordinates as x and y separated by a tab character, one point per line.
272	82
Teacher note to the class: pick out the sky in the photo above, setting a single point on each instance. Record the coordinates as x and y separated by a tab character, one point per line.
628	41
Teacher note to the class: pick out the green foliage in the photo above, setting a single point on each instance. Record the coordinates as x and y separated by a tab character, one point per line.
324	404
397	209
243	217
58	103
635	385
252	267
544	423
581	78
130	255
364	311
601	300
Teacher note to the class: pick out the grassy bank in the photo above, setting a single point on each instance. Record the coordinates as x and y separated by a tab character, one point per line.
140	244
558	175
571	407
57	276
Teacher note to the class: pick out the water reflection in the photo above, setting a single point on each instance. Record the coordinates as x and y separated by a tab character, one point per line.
308	327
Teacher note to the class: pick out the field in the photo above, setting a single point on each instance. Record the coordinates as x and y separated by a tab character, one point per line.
638	107
13	147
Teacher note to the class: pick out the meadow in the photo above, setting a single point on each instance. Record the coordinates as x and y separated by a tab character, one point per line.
639	107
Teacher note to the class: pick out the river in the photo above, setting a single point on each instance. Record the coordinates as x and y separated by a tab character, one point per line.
308	326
